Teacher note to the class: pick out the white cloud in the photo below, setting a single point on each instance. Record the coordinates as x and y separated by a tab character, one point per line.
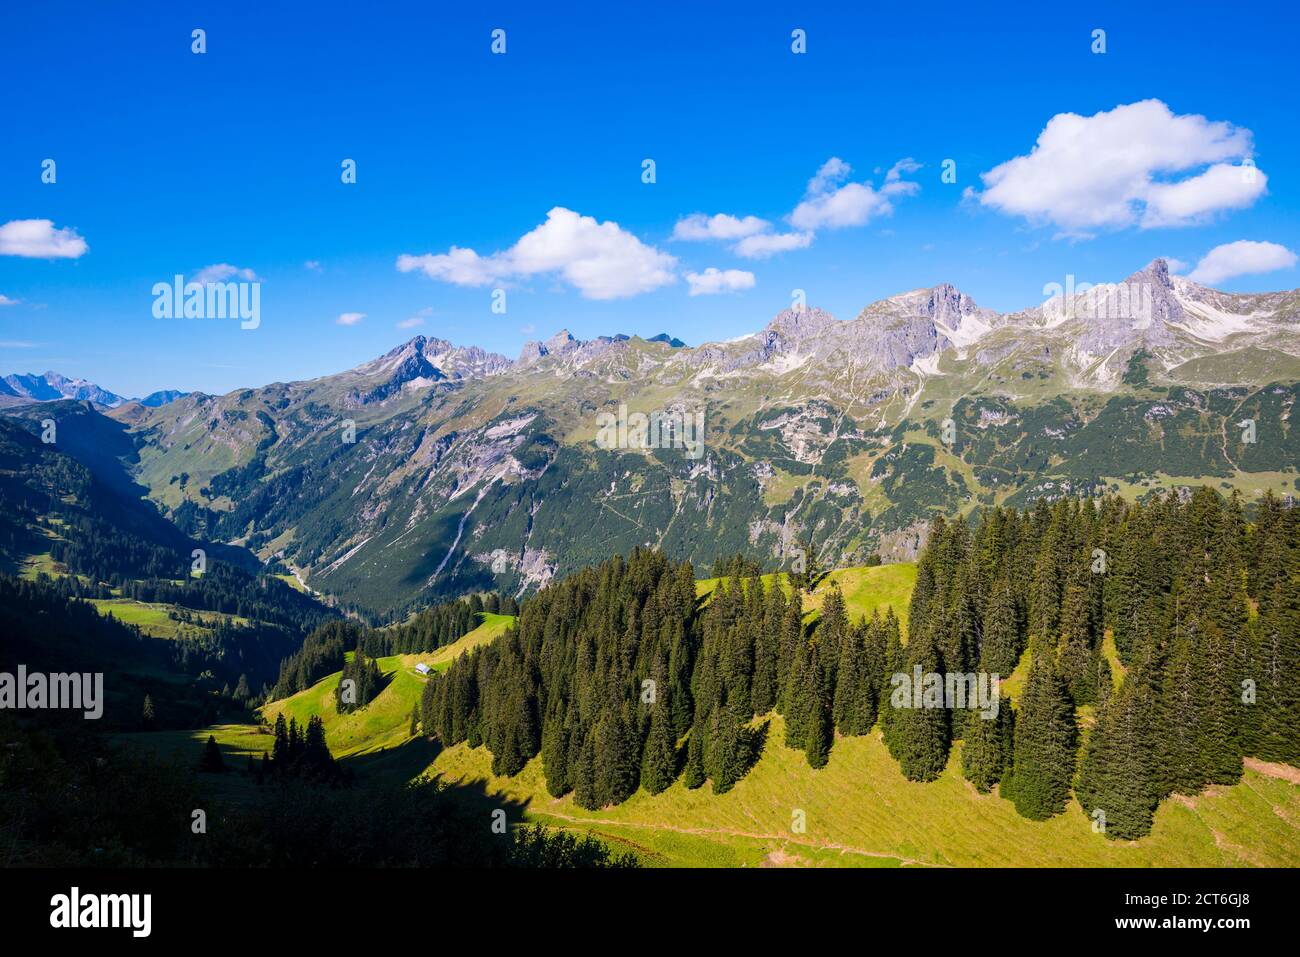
349	318
600	260
39	239
699	226
312	265
18	344
769	244
6	301
1242	258
832	206
1221	187
411	323
1113	170
220	272
1175	264
461	267
833	171
905	165
850	205
829	203
713	281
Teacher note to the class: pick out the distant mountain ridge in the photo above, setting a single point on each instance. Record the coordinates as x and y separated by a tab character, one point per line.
1171	316
437	469
52	386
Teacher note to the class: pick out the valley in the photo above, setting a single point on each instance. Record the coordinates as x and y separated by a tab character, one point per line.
447	507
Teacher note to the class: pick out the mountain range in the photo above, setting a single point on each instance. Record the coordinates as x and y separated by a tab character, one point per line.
437	469
52	386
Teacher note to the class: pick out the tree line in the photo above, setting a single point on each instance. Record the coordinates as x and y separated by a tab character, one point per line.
326	649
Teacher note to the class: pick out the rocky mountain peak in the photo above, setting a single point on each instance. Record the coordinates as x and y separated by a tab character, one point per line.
795	324
1154	274
666	338
561	342
948	305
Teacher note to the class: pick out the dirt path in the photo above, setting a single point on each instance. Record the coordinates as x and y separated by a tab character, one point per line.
1284	771
733	832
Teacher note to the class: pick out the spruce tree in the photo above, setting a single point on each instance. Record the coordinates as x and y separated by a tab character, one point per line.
585	794
917	732
555	755
1003	642
1119	783
617	759
280	748
1219	728
695	746
1182	700
800	694
659	760
766	652
1275	713
728	753
819	732
1079	652
211	761
984	750
1045	741
892	665
854	706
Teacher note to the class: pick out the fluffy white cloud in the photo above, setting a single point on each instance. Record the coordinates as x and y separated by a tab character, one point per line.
769	244
713	281
829	205
1175	264
39	239
850	205
349	318
1241	258
1113	170
699	226
600	260
6	301
461	267
1221	187
220	272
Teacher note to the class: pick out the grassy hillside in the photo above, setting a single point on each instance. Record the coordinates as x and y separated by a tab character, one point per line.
865	590
492	627
861	811
155	619
385	722
868	590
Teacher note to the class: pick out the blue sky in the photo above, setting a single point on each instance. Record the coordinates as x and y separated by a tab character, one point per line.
169	162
